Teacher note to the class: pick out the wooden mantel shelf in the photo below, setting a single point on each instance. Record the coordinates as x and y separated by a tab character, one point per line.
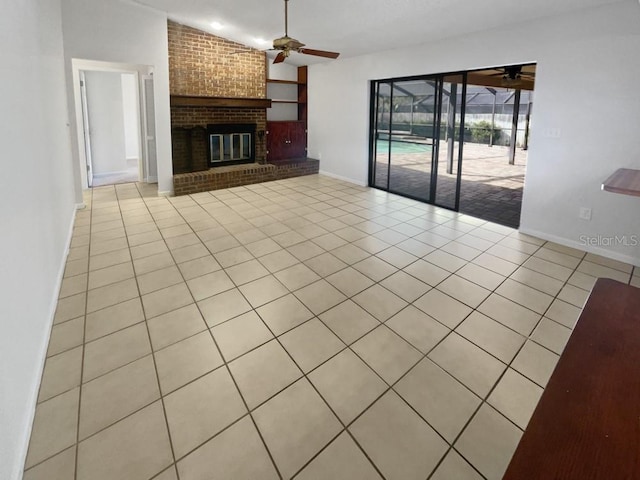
625	181
223	102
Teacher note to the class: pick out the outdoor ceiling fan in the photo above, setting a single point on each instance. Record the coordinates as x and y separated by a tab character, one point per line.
286	44
512	76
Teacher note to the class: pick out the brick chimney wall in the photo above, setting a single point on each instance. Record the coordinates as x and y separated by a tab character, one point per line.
201	64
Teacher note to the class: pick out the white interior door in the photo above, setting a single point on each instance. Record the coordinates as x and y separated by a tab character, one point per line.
149	117
86	128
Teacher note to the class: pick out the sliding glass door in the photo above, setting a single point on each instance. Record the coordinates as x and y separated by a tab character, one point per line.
415	137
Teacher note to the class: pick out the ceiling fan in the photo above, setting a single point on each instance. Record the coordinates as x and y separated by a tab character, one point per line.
286	44
513	75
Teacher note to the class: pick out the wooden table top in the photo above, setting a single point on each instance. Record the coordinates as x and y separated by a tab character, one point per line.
587	423
625	181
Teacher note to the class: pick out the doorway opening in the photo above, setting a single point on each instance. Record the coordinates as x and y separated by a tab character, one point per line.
116	122
455	140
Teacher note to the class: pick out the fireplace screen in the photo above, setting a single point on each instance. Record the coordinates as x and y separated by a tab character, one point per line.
231	144
230	147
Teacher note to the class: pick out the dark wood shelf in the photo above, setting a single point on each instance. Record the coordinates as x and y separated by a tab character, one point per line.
625	181
285	101
228	102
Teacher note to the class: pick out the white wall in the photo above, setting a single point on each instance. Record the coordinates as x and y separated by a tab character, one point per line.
36	209
587	85
106	122
131	117
121	32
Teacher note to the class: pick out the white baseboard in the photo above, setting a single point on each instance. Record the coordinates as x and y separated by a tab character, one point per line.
167	193
344	179
33	400
152	179
581	246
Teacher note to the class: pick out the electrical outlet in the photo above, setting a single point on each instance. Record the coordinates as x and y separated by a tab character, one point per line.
585	213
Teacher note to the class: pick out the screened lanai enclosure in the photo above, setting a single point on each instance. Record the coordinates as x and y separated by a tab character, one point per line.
455	140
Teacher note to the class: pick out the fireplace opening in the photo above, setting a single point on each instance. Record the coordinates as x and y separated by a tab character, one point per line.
231	144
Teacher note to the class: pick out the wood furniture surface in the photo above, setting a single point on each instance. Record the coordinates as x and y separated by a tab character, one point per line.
587	423
625	181
286	140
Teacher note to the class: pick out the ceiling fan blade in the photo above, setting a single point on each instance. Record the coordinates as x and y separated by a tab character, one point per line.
318	53
280	58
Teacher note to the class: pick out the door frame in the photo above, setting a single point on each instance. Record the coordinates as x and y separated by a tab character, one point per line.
81	65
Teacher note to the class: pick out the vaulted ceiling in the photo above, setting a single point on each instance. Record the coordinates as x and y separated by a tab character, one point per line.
356	27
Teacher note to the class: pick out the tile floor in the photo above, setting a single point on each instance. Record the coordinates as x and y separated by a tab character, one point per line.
303	328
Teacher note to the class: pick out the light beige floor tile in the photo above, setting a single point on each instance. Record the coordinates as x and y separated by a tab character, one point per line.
415	247
445	260
114	318
347	384
443	308
563	249
515	397
113	351
65	336
246	272
525	296
174	326
569	261
463	290
375	268
296	424
262	373
233	256
371	244
166	300
635	281
480	276
190	415
508	254
311	344
278	260
73	285
109	275
341	460
455	467
548	268
509	313
305	250
224	306
54	427
263	290
284	314
551	335
574	295
153	262
159	279
350	254
563	313
60	467
262	247
536	280
387	353
134	448
609	262
70	307
349	321
495	264
427	272
491	336
488	442
236	454
181	241
535	362
519	245
469	364
186	254
602	271
209	285
198	267
397	440
61	373
107	246
241	334
296	276
405	286
117	394
380	302
582	280
186	360
325	264
349	281
286	239
462	250
75	267
142	238
439	398
111	294
417	328
319	296
397	257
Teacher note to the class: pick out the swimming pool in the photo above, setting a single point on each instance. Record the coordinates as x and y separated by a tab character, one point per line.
382	146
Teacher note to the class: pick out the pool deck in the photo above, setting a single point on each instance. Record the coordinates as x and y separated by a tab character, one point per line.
491	188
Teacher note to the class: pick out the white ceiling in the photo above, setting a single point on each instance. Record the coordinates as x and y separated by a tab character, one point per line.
356	27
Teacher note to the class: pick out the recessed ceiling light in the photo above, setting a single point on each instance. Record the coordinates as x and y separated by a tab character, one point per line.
217	25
